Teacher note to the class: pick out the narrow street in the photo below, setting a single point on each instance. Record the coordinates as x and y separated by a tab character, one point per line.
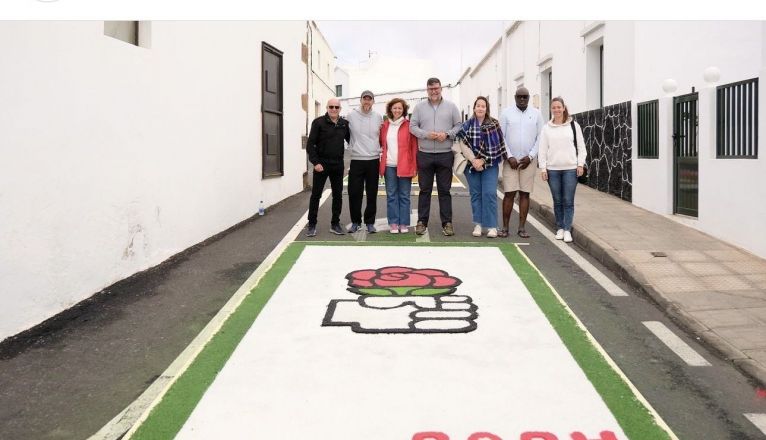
80	393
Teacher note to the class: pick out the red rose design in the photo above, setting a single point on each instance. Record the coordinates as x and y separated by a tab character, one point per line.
398	281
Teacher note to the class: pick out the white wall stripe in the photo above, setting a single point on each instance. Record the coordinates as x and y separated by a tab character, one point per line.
598	276
132	416
759	420
676	344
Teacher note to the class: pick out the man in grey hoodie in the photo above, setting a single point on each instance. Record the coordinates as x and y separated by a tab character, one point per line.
435	122
363	172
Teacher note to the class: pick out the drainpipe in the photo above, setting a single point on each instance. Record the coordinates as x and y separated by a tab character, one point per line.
308	174
310	61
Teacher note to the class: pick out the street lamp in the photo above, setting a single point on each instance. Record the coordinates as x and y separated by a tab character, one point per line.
669	86
711	75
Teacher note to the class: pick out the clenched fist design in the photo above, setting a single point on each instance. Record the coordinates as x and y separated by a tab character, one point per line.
403	300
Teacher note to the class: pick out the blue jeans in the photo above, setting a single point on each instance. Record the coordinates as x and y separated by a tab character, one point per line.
397	198
563	184
482	185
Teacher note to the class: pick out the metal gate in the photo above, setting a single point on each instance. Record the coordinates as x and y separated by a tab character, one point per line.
685	156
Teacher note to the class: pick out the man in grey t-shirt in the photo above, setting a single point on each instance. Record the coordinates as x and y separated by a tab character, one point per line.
363	172
435	122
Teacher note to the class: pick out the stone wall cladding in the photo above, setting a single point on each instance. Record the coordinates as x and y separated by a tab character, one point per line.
608	137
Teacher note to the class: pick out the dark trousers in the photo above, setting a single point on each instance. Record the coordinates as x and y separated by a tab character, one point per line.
440	165
363	178
335	173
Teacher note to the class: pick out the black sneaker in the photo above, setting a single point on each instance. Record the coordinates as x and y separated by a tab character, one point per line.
336	229
311	231
371	229
354	227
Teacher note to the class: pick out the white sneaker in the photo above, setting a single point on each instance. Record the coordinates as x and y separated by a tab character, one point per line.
477	231
559	234
492	233
567	237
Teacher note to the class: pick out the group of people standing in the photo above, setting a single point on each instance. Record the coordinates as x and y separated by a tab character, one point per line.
399	149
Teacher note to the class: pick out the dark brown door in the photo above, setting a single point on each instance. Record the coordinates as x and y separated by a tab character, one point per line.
271	112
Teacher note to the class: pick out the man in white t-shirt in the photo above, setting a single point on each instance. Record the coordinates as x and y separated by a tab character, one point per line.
521	125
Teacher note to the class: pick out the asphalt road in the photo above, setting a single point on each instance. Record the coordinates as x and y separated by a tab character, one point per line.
69	378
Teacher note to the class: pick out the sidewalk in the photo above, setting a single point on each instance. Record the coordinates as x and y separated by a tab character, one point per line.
715	290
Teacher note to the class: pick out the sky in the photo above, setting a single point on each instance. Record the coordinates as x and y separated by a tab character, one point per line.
453	46
353	9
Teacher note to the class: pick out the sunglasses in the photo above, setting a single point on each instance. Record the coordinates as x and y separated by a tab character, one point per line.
522	96
333	107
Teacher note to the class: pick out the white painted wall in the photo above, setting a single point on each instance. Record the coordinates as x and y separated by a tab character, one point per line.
568	61
116	157
516	59
619	62
653	178
733	46
484	80
730	197
527	37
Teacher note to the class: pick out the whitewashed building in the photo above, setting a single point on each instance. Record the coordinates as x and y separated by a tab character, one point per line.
124	143
322	79
670	110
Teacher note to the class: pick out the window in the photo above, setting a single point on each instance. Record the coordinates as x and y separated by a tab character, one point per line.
647	130
126	31
737	120
339	90
271	111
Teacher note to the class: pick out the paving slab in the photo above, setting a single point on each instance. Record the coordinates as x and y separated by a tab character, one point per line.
717	291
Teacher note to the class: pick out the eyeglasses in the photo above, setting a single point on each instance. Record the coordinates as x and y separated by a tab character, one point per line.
333	107
522	96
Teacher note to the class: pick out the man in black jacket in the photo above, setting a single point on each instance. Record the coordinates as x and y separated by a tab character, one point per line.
325	149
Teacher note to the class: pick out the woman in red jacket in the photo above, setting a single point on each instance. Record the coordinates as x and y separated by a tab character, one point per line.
398	164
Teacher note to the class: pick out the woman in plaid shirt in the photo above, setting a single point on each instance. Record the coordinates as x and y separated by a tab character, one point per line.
483	144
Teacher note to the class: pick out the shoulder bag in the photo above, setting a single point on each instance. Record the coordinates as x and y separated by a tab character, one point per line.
584	177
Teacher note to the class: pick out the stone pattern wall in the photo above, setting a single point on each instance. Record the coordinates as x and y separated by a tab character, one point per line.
608	137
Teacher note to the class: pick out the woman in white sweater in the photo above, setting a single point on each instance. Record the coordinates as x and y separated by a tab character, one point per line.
561	163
